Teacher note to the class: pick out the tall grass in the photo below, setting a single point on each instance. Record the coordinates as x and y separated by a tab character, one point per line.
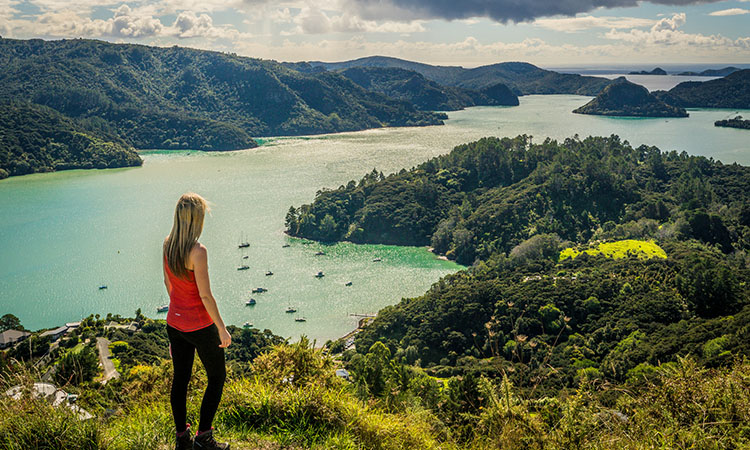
301	404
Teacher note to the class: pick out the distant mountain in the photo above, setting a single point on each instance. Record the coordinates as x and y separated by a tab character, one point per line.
176	97
656	71
623	98
711	72
35	138
425	94
732	91
522	78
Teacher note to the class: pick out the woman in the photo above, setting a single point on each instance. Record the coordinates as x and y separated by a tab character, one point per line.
193	322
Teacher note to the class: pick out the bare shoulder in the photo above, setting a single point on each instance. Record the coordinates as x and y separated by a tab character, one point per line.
199	251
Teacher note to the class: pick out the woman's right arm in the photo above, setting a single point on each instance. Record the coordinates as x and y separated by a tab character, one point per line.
199	258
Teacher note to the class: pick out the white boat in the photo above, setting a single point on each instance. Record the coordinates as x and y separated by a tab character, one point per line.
250	302
291	309
348	283
243	267
300	319
320	253
259	290
376	260
320	275
247	325
269	273
162	308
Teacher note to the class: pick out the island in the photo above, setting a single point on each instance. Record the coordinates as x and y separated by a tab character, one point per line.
737	122
623	98
656	71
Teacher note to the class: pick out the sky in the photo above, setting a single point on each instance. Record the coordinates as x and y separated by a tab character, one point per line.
469	33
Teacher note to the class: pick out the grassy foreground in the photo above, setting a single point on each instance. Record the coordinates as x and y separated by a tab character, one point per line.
293	400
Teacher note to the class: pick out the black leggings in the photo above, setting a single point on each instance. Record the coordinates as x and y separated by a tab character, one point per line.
183	346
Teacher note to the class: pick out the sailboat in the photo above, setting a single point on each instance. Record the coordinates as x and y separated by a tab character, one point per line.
243	243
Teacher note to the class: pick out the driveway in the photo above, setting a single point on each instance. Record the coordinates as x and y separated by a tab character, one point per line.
104	357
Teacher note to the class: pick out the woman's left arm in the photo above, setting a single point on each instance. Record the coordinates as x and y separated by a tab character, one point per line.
199	258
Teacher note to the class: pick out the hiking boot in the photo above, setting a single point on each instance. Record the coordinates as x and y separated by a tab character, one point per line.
184	440
206	441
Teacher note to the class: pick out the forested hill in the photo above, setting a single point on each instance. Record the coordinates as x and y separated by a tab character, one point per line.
591	259
176	97
488	196
732	91
522	78
425	94
35	138
623	98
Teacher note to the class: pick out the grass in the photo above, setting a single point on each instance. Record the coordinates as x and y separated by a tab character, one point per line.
619	249
680	405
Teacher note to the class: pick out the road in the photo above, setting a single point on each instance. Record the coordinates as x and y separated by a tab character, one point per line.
110	372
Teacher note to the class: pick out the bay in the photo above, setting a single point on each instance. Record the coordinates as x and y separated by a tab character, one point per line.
64	234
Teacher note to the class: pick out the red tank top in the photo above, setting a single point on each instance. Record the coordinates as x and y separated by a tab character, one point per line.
186	310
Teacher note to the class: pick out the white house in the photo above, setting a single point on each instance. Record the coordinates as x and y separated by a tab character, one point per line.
10	337
56	333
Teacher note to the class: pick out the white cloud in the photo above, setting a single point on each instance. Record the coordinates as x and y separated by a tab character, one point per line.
730	12
125	23
581	23
670	23
313	20
122	24
188	24
471	52
665	34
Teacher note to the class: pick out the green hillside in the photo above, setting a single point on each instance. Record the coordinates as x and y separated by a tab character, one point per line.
660	267
489	196
35	138
425	94
287	397
522	78
183	98
732	91
623	98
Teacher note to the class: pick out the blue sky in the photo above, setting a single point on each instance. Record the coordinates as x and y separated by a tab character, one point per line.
449	32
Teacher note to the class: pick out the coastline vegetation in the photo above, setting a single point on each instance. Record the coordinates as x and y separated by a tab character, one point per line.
36	138
737	122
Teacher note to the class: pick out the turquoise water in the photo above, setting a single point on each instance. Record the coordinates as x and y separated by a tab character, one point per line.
64	234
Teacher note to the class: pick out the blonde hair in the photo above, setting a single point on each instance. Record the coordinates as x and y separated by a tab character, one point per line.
188	224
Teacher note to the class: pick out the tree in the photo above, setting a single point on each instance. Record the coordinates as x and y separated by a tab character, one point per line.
10	322
77	367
